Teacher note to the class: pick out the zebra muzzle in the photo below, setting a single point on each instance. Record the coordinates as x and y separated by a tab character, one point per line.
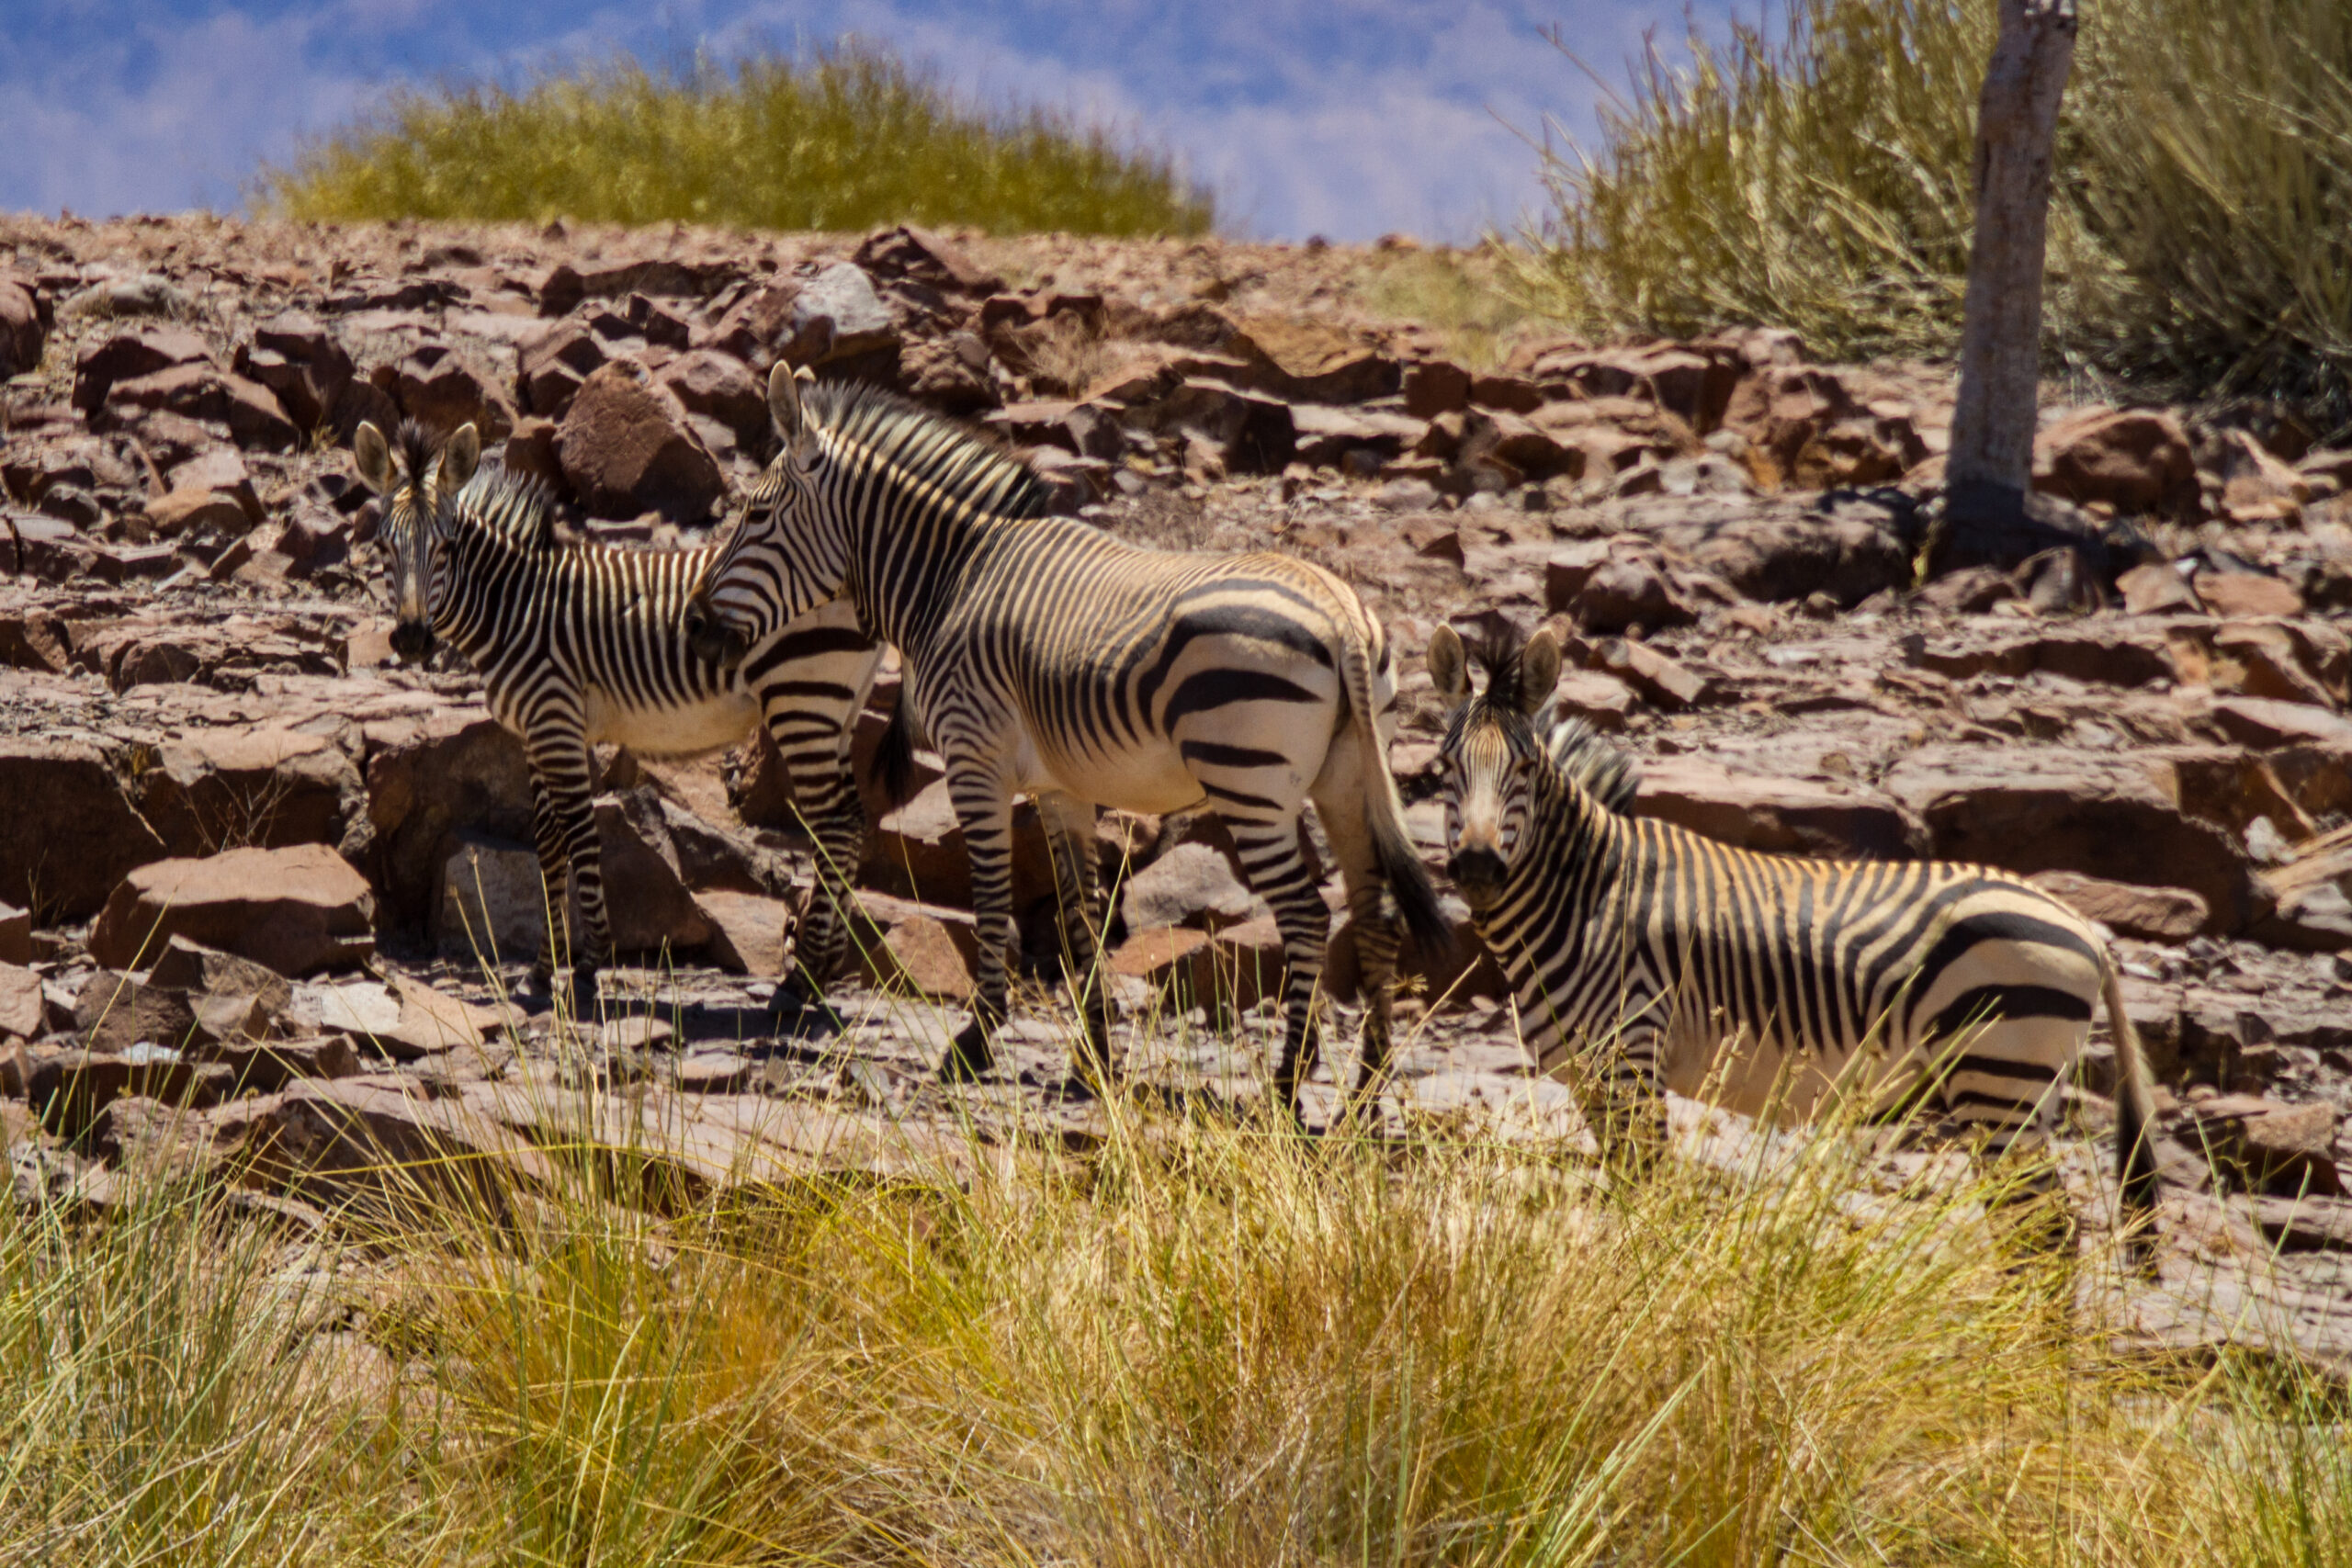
1478	873
412	640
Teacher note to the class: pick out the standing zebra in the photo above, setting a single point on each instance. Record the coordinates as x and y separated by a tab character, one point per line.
1694	965
1042	654
578	644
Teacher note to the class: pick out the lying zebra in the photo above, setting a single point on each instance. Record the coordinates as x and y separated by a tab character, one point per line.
1043	654
1697	966
583	643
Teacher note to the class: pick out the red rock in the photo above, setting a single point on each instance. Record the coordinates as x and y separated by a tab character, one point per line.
197	512
2135	460
2152	914
2247	594
69	1088
23	334
1310	361
1778	816
2066	808
436	388
201	391
720	387
2256	486
625	450
68	832
555	364
300	361
1192	884
749	933
917	852
15	934
950	374
129	356
921	256
297	909
2279	1148
266	787
2157	589
1435	387
23	1009
924	955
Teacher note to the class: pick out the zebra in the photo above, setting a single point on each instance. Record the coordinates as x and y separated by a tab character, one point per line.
1643	956
1044	654
583	643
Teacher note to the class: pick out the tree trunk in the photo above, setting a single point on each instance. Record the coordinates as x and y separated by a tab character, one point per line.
1990	465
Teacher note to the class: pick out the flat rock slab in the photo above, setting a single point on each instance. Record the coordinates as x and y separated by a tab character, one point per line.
298	910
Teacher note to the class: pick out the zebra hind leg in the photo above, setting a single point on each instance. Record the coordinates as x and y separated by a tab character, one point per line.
1277	873
1378	935
1069	839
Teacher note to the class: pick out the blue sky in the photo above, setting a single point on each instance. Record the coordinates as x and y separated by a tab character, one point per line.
1344	117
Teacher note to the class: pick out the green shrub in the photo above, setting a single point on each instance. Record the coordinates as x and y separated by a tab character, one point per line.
851	138
2200	233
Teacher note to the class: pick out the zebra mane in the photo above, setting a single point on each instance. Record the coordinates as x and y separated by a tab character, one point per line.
413	450
1607	774
1574	747
965	463
516	507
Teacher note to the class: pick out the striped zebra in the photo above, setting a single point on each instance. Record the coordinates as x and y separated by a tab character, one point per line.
578	644
1768	980
1044	655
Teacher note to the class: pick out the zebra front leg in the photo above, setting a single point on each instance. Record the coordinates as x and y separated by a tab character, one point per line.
984	811
564	822
835	819
1371	914
1069	839
1277	873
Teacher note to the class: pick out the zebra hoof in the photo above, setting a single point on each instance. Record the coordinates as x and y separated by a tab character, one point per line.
968	1057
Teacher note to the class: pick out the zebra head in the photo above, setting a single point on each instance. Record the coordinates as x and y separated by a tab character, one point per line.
776	558
416	487
1492	753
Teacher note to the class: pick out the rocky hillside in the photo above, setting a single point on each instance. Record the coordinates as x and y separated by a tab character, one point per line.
249	865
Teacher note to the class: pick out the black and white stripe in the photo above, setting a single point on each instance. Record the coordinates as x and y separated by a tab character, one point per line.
1044	655
578	644
1644	958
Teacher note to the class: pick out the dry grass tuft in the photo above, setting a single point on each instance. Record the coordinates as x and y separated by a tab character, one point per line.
2200	233
850	138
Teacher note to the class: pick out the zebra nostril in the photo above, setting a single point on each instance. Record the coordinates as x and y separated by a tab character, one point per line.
1476	867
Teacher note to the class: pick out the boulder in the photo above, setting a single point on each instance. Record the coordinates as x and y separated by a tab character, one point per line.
917	852
2136	460
749	934
215	787
126	356
2152	914
645	897
23	333
1235	967
1246	431
24	1009
1827	817
1192	884
553	366
2066	808
925	955
68	831
2268	1146
1304	360
69	1088
719	387
436	387
921	256
201	392
491	904
949	373
2247	594
297	909
625	449
299	361
15	934
1435	387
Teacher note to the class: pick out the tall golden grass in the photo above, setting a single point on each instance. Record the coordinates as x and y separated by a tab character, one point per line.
2200	234
851	137
1203	1344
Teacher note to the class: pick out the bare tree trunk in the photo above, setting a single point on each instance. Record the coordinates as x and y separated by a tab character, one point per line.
1990	465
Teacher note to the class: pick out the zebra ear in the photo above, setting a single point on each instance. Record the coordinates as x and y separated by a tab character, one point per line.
459	458
1449	673
783	406
372	455
1539	670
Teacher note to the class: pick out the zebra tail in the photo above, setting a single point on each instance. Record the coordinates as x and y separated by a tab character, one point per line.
2135	1104
1383	808
892	766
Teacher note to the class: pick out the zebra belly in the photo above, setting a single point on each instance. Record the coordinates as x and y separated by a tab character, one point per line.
719	720
1149	778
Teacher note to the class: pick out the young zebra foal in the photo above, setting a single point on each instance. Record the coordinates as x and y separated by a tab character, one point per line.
1682	962
578	644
